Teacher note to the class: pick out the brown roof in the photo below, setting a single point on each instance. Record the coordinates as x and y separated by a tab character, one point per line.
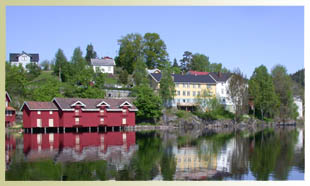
37	105
65	103
9	108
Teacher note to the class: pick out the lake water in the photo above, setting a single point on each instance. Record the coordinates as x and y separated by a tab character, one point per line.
270	154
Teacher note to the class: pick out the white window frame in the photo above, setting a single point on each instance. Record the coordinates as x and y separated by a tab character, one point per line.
39	122
39	112
77	121
51	112
51	122
124	121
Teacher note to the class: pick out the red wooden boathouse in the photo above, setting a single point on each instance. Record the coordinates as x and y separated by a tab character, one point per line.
10	113
79	112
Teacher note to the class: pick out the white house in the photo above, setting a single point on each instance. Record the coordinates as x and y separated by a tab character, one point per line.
23	59
222	83
105	65
298	102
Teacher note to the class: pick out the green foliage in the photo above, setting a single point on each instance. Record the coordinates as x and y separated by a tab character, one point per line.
100	79
131	48
238	94
47	91
90	53
33	71
140	74
148	103
62	67
299	77
261	90
45	65
92	92
283	88
185	61
123	77
154	50
167	87
199	62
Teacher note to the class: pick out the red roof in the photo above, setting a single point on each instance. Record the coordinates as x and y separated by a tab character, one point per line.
37	105
66	103
9	108
197	73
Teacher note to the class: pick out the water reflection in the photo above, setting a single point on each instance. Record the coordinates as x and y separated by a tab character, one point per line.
270	154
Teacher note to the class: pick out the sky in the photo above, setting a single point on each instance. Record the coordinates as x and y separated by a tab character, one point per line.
238	37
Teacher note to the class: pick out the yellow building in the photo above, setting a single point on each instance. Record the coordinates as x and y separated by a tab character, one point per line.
187	88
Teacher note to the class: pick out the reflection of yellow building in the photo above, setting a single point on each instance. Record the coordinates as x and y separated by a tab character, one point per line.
187	87
189	165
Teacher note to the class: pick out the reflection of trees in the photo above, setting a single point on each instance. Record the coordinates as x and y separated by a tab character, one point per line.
168	164
40	170
145	162
240	158
273	153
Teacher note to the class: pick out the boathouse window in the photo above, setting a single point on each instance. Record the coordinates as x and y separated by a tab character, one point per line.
39	112
39	138
50	122
39	122
6	103
51	112
51	137
124	121
101	120
77	120
102	112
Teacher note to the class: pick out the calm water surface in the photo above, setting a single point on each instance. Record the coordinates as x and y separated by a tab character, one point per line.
270	154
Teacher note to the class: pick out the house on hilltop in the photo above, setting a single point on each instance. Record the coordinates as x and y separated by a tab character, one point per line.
23	59
104	65
10	113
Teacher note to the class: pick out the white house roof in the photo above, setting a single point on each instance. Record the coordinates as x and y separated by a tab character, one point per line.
106	61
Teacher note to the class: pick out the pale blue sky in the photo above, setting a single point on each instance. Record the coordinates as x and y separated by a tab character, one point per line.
243	37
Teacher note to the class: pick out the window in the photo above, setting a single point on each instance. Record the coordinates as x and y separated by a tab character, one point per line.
183	100
76	111
208	86
178	92
39	112
109	68
184	93
194	85
124	136
101	120
6	103
177	85
198	85
50	122
39	138
101	112
188	93
194	93
51	137
222	91
198	93
51	112
187	85
183	85
77	120
124	121
39	122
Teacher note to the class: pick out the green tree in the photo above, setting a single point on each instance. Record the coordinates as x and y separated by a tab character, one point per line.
92	92
33	71
90	53
167	87
154	50
100	79
199	62
47	91
238	93
283	88
123	77
148	103
62	67
131	48
261	90
45	65
140	74
185	61
81	74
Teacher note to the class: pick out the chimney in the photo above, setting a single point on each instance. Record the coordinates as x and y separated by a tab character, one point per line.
219	74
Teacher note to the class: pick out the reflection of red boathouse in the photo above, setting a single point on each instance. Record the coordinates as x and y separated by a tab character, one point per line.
10	146
79	146
9	111
78	112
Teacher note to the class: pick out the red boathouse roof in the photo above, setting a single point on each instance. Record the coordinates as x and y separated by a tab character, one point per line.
93	104
37	105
